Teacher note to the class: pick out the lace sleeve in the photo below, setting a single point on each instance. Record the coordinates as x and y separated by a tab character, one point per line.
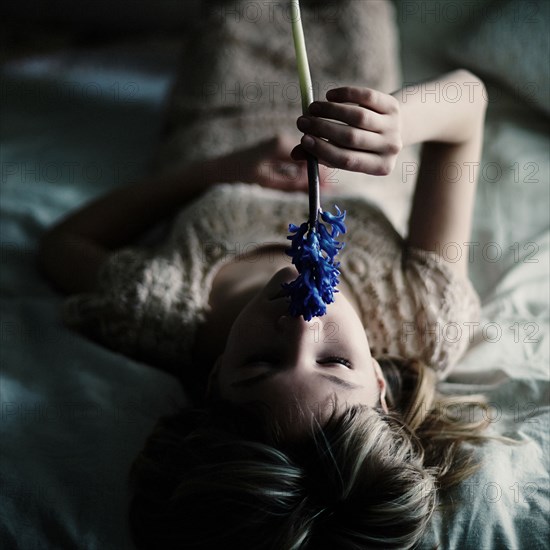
140	308
444	310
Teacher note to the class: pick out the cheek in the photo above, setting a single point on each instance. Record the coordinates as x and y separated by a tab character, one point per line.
373	385
249	328
243	327
343	311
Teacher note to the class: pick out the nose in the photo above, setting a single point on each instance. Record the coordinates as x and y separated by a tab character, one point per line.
294	341
296	327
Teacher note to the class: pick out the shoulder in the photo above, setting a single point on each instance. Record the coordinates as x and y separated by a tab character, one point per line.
444	307
143	307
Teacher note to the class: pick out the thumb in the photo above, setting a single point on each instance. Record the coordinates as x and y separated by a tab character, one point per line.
280	146
298	153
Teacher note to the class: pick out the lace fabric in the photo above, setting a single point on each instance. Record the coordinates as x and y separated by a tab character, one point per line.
150	302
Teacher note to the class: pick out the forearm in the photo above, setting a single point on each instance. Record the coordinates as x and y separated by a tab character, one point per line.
119	217
443	199
452	129
445	110
72	251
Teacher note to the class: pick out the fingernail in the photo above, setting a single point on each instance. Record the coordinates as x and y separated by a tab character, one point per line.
308	141
304	123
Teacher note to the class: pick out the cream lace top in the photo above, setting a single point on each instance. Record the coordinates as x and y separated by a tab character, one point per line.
150	301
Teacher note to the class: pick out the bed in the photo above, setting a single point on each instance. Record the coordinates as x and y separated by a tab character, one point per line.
78	120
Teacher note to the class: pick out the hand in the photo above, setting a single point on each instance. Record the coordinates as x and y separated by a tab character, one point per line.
268	164
368	141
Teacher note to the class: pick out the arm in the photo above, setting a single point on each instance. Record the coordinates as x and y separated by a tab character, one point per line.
72	252
444	195
377	125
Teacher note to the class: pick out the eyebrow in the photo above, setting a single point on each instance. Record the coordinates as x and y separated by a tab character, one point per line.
268	374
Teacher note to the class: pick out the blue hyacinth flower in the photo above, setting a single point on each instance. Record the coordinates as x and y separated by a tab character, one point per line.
313	250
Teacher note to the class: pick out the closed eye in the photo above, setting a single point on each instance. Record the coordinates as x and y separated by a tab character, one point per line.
262	360
340	360
254	360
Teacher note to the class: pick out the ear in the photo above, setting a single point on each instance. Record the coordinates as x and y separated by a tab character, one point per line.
381	384
213	376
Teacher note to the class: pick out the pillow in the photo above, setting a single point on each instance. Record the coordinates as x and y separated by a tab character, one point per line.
238	81
510	44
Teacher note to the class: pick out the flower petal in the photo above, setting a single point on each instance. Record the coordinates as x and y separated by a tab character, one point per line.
313	251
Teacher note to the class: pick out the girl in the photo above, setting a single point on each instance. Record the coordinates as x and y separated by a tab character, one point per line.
327	434
304	435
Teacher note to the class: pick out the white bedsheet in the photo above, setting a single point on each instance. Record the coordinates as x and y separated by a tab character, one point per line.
74	415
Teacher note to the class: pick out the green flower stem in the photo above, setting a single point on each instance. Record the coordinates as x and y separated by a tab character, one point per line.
306	89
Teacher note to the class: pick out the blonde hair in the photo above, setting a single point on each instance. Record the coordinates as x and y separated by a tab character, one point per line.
221	477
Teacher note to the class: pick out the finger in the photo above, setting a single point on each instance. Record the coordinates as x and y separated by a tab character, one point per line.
353	161
301	183
298	153
280	146
283	175
352	115
302	154
289	170
366	97
343	135
326	173
285	184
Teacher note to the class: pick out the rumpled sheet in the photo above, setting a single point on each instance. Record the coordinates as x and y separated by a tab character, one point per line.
74	415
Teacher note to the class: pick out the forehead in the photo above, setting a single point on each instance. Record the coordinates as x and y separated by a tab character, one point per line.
293	416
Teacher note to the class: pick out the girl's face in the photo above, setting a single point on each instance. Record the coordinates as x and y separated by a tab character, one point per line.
282	360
